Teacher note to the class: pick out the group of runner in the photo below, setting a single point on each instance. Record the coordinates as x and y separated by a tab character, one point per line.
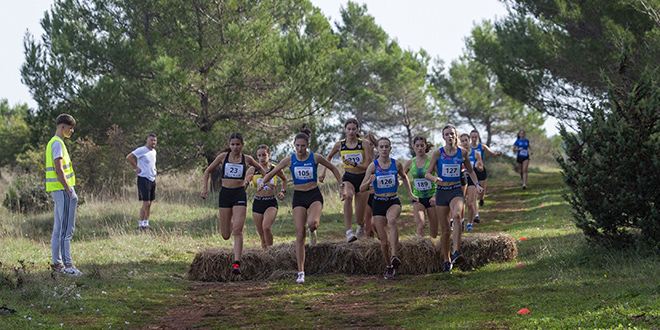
369	186
369	189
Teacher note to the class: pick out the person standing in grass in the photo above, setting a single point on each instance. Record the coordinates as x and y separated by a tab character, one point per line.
449	198
60	182
384	173
307	199
356	154
521	147
264	206
482	174
422	188
477	163
143	160
232	200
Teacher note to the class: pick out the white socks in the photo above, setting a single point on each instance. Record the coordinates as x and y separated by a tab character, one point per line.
144	223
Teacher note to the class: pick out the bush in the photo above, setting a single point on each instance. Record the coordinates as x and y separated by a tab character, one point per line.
27	194
102	169
612	165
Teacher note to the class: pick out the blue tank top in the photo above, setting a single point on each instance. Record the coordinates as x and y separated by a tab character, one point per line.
449	167
522	147
473	158
481	151
386	179
303	171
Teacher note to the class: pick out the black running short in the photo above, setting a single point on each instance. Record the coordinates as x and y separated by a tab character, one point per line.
425	201
370	201
444	195
382	204
146	189
230	197
481	175
306	198
521	159
261	204
354	179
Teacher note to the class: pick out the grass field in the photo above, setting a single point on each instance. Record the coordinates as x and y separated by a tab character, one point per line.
137	280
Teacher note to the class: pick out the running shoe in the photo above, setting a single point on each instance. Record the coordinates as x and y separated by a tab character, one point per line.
481	202
350	237
457	258
476	218
524	186
396	262
72	271
313	238
236	268
447	267
359	232
469	227
389	273
301	278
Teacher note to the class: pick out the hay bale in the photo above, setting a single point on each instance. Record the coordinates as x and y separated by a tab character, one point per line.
481	249
363	257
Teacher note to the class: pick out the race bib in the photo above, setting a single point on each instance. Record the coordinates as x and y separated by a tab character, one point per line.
304	173
386	181
266	187
422	184
234	171
357	158
523	152
451	170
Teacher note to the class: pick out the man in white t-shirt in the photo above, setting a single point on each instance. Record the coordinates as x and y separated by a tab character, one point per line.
143	159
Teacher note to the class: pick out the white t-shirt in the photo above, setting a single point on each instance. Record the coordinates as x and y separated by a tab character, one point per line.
57	150
146	162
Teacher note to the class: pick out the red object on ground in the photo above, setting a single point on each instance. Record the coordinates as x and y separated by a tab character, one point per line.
524	311
519	265
522	239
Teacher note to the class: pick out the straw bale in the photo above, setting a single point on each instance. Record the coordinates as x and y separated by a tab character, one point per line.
362	257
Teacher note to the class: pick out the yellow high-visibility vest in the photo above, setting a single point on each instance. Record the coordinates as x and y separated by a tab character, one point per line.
52	183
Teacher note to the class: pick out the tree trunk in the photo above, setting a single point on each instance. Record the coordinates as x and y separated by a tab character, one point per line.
216	174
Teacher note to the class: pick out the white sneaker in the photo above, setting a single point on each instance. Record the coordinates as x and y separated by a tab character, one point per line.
72	271
350	237
313	238
301	278
360	231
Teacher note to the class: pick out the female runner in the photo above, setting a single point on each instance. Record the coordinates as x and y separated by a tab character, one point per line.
482	174
264	206
356	154
477	163
386	207
521	146
307	199
449	198
422	188
232	200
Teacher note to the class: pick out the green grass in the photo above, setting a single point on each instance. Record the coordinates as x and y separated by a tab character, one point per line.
134	280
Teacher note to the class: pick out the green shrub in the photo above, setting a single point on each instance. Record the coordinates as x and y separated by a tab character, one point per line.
612	165
27	194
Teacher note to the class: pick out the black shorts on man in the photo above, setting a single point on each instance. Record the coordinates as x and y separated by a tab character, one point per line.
146	189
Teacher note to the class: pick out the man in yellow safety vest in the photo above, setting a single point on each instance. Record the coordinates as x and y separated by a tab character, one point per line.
60	180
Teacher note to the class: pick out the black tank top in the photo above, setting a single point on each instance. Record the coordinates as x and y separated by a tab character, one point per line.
233	170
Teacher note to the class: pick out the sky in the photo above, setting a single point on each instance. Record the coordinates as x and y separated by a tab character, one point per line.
437	26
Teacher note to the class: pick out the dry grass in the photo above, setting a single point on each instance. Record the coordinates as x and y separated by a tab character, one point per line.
363	257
